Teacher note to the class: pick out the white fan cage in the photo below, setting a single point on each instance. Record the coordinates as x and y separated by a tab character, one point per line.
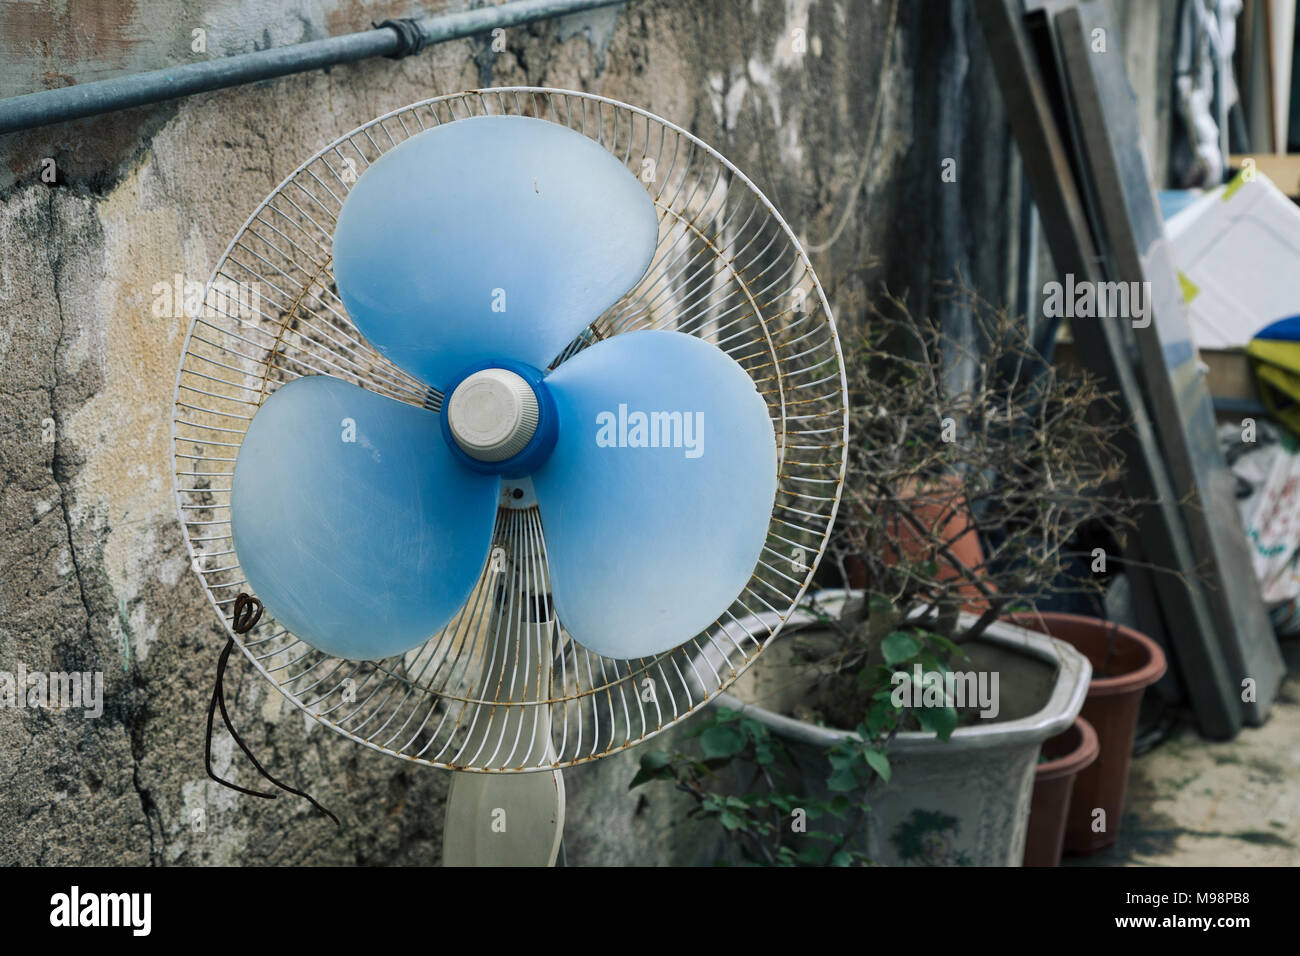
502	687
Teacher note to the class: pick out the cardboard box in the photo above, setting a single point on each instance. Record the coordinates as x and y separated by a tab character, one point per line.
1282	169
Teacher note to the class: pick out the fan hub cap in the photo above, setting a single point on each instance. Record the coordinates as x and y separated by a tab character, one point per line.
493	414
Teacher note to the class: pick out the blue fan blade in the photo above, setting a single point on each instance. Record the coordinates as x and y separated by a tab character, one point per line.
490	238
648	546
352	522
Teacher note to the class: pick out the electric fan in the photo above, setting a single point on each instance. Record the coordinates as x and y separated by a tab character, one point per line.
516	409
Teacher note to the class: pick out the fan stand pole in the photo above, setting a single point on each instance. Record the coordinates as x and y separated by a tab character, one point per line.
509	819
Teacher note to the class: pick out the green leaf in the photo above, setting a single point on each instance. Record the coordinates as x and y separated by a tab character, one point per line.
932	665
655	759
878	762
645	776
810	855
722	740
839	760
898	647
655	765
878	604
881	718
730	820
947	645
878	725
842	780
938	720
715	764
843	858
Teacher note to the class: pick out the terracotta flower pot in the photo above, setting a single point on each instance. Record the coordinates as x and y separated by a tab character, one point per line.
940	506
1124	663
1068	754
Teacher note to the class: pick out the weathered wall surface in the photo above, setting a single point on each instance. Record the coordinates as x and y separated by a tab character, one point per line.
93	572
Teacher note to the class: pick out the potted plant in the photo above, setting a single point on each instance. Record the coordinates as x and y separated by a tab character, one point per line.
899	712
1125	663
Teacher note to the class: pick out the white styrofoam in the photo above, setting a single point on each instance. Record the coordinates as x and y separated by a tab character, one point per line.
1239	247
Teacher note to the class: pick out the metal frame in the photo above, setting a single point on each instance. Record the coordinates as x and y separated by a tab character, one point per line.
727	268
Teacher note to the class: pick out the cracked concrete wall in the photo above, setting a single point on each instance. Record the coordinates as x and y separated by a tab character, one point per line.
93	569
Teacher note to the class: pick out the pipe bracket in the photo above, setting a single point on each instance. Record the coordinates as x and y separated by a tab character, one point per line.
410	37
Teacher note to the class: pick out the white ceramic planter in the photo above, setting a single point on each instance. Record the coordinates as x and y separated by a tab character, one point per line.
964	801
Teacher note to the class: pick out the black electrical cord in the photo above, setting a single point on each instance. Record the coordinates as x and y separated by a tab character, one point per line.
247	612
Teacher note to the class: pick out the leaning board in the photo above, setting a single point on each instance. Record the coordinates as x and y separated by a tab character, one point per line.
1110	143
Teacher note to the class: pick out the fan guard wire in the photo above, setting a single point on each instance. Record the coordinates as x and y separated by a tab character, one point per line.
502	688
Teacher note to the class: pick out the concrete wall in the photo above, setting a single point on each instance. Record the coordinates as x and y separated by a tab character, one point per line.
93	570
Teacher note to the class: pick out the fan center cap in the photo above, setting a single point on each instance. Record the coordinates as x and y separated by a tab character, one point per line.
493	414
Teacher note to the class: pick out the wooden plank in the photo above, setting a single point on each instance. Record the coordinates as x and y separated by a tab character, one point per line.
1174	384
1065	225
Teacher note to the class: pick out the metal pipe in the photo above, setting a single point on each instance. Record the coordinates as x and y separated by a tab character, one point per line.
392	38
